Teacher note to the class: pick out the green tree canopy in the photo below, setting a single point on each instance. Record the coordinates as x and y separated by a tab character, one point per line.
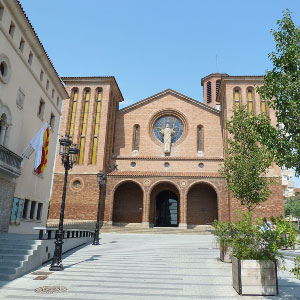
281	90
292	206
246	161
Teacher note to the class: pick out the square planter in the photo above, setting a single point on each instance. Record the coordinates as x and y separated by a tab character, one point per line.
254	277
225	254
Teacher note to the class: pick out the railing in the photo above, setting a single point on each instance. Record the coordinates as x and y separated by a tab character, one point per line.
10	161
50	233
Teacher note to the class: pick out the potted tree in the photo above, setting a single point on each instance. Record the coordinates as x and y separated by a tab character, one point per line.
224	232
256	253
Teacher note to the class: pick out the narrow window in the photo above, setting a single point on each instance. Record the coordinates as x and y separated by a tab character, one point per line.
263	106
52	121
32	209
12	28
208	92
39	211
84	124
47	85
200	138
73	112
41	108
22	44
237	98
1	11
25	209
250	100
136	137
53	92
57	101
218	83
41	75
96	126
30	57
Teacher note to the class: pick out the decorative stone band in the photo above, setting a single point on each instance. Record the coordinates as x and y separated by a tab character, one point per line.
164	174
169	158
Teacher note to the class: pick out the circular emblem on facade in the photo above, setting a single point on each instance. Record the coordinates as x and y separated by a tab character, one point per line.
76	184
147	182
171	122
183	183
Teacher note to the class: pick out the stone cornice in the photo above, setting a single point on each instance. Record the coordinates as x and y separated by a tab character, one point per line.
170	92
165	174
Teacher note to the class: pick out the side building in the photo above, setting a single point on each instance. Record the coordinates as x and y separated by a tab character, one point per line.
31	94
161	154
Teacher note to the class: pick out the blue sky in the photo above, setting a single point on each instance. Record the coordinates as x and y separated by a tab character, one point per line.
153	45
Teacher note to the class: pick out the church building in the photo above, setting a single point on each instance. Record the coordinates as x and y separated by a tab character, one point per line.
161	155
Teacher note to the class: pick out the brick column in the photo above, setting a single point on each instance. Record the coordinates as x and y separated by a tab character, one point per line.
183	209
146	208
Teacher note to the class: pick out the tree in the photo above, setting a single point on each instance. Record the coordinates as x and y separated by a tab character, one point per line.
292	206
281	90
246	161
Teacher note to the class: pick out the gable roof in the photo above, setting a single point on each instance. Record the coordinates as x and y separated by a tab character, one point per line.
169	92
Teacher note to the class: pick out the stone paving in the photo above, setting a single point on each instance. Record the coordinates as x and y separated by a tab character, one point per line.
143	267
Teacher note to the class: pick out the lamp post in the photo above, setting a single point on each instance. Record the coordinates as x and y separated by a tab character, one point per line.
69	155
101	181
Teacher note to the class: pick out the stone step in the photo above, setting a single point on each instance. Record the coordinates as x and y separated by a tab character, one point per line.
14	246
8	270
157	230
6	277
12	257
16	251
6	241
11	263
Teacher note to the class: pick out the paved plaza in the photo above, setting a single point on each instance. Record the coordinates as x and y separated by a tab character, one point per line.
141	266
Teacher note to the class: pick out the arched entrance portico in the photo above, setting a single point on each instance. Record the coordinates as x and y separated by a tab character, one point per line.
128	204
164	205
202	204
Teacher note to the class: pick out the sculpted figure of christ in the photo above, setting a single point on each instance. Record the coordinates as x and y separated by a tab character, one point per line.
167	133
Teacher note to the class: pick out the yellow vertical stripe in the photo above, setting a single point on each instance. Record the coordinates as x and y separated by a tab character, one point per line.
250	96
263	106
82	141
96	128
237	95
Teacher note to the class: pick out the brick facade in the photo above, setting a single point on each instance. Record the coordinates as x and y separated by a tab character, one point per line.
143	169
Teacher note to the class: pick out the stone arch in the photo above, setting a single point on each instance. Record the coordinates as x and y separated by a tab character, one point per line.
127	203
159	193
202	203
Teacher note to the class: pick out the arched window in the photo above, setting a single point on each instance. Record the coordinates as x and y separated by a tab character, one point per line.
200	139
208	92
96	126
136	137
3	129
218	83
73	111
86	98
250	100
237	98
263	106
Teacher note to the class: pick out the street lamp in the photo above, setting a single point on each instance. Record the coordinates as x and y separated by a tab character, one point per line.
69	155
101	181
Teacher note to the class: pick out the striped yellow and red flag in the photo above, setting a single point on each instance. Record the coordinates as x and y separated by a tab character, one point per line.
43	164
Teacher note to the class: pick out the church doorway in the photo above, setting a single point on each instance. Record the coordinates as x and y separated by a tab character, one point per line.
165	205
202	205
128	204
166	209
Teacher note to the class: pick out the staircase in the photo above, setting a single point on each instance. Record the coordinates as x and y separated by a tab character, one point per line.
204	229
17	256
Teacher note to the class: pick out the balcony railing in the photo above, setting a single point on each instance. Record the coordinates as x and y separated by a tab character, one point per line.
10	162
